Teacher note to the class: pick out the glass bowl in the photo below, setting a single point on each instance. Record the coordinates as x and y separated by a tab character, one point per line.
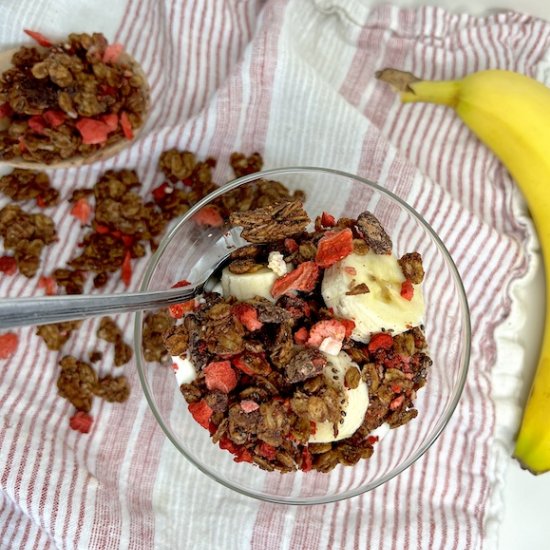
189	250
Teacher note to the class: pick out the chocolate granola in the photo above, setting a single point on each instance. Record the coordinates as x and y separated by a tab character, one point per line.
265	381
69	99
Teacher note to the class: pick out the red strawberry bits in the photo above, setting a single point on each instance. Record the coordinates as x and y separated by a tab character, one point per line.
81	422
333	247
248	316
201	412
407	290
8	344
303	278
219	375
82	211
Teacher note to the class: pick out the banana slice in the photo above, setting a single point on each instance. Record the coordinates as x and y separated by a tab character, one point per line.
382	307
245	286
356	401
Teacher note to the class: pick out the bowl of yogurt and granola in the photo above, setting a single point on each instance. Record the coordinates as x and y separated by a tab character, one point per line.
330	354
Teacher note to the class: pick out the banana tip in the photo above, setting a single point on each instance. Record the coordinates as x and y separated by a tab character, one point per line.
528	468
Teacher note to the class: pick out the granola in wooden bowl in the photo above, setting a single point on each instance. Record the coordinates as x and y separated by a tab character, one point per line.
69	103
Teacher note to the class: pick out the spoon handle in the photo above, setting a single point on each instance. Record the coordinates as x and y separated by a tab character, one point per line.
18	312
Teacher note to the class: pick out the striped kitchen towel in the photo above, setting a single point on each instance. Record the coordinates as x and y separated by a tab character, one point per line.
294	80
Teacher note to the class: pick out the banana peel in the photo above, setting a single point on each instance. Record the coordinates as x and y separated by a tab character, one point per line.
510	113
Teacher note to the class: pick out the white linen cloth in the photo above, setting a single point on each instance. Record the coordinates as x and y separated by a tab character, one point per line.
293	80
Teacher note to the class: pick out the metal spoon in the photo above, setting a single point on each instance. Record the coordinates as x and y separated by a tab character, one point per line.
19	312
100	154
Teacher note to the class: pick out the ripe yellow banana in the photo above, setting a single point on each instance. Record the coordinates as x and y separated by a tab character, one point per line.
510	113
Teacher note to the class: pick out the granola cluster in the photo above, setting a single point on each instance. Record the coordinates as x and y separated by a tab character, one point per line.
23	185
26	235
122	224
155	325
79	383
264	378
69	99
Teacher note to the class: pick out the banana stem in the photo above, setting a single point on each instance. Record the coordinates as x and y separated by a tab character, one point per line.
443	92
412	89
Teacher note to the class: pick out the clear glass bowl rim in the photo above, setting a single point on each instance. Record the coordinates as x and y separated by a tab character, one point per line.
272	174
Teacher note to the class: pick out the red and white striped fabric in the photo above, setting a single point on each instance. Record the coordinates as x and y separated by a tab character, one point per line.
293	80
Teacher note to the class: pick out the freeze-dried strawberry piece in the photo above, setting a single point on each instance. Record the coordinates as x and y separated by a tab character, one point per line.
127	240
301	336
37	124
111	121
49	284
92	131
126	269
219	375
38	37
407	290
126	125
5	110
303	278
227	445
248	406
248	316
381	340
397	402
105	89
307	460
243	455
333	247
350	270
210	216
239	363
324	329
201	412
266	450
161	191
327	220
81	422
177	311
82	210
102	229
54	118
291	245
8	265
8	344
349	325
112	53
181	283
